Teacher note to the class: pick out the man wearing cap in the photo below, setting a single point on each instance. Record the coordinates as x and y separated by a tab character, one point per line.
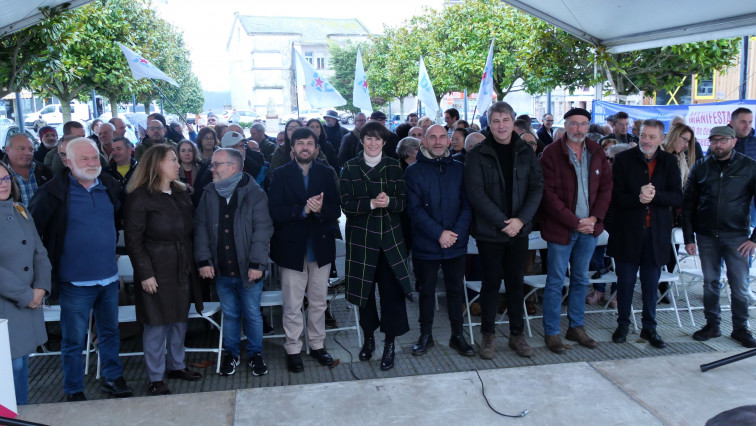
716	210
334	131
49	138
577	191
389	148
351	141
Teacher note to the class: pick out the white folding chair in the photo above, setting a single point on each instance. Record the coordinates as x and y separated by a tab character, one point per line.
52	314
535	242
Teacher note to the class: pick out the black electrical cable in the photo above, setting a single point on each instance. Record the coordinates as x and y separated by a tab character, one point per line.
351	358
483	390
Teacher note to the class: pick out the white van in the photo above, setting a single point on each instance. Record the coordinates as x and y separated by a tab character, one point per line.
53	114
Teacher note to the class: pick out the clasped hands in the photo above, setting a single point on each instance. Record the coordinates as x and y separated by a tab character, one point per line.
381	201
647	193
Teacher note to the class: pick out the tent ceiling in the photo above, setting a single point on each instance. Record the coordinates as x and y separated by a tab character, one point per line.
19	14
622	25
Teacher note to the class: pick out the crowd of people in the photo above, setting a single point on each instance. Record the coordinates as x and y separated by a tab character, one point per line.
211	210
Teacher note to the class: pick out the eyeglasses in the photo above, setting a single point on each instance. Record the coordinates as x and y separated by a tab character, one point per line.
578	123
687	140
154	128
548	121
7	179
218	164
716	141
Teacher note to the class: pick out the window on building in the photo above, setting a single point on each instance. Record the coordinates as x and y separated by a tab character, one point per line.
308	56
705	85
321	63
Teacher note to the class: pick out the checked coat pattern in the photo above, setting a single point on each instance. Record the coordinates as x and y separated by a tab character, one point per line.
369	231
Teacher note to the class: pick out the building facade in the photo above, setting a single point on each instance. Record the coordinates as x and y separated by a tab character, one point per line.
261	52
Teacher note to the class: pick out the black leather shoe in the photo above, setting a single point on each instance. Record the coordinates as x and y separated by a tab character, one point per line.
367	348
459	344
387	362
424	343
620	334
78	396
294	363
653	338
744	337
185	374
118	387
323	357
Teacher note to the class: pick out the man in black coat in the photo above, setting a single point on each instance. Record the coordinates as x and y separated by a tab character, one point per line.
646	190
334	131
546	133
304	205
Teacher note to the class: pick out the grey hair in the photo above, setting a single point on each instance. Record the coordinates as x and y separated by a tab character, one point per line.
234	156
76	142
617	148
112	127
406	145
470	140
258	126
500	107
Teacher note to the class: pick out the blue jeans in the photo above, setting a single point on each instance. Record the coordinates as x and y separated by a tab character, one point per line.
578	253
239	303
712	251
75	304
20	367
627	275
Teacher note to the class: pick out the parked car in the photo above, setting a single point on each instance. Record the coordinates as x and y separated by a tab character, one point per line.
53	114
7	131
395	121
346	117
534	123
245	116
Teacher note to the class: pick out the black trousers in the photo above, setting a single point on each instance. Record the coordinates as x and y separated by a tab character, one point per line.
503	261
393	320
426	273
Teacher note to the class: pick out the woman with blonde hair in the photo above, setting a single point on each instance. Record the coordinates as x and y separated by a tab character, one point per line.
681	141
158	227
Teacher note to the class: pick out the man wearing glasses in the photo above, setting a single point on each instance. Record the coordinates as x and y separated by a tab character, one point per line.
155	135
716	211
577	189
545	133
232	231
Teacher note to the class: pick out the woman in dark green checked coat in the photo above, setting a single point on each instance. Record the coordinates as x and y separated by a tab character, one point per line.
372	196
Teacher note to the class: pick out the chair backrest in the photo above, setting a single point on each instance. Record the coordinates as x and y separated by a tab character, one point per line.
603	239
472	246
677	236
535	242
125	269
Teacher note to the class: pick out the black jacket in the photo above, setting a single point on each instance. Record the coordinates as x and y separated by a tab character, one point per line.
544	136
484	184
717	203
287	198
335	134
49	208
350	144
123	180
630	173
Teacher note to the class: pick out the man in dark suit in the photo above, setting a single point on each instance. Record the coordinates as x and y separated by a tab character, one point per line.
646	189
304	205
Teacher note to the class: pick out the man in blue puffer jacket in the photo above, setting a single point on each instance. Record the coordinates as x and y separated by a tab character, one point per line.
440	216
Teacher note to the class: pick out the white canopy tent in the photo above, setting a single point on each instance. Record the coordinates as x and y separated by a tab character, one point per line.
622	25
19	14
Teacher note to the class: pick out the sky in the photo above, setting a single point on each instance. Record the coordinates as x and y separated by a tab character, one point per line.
207	25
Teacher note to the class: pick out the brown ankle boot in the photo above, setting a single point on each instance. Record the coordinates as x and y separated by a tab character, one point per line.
554	343
578	334
487	347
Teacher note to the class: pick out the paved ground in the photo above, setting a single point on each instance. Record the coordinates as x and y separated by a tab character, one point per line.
46	375
648	391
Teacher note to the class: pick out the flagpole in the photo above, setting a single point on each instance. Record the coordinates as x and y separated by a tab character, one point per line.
169	102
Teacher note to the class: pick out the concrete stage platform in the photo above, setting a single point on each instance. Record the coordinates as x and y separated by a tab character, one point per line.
648	391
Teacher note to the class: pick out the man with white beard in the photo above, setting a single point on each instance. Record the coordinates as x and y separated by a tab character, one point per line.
77	214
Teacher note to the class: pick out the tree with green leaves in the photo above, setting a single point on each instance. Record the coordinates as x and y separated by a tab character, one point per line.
343	59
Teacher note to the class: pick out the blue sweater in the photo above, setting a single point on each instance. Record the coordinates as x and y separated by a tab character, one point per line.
90	240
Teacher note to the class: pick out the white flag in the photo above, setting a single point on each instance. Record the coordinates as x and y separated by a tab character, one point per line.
320	93
142	68
425	91
360	93
485	93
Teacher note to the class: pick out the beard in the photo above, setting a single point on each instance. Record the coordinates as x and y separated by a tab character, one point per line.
576	138
301	160
721	154
83	174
